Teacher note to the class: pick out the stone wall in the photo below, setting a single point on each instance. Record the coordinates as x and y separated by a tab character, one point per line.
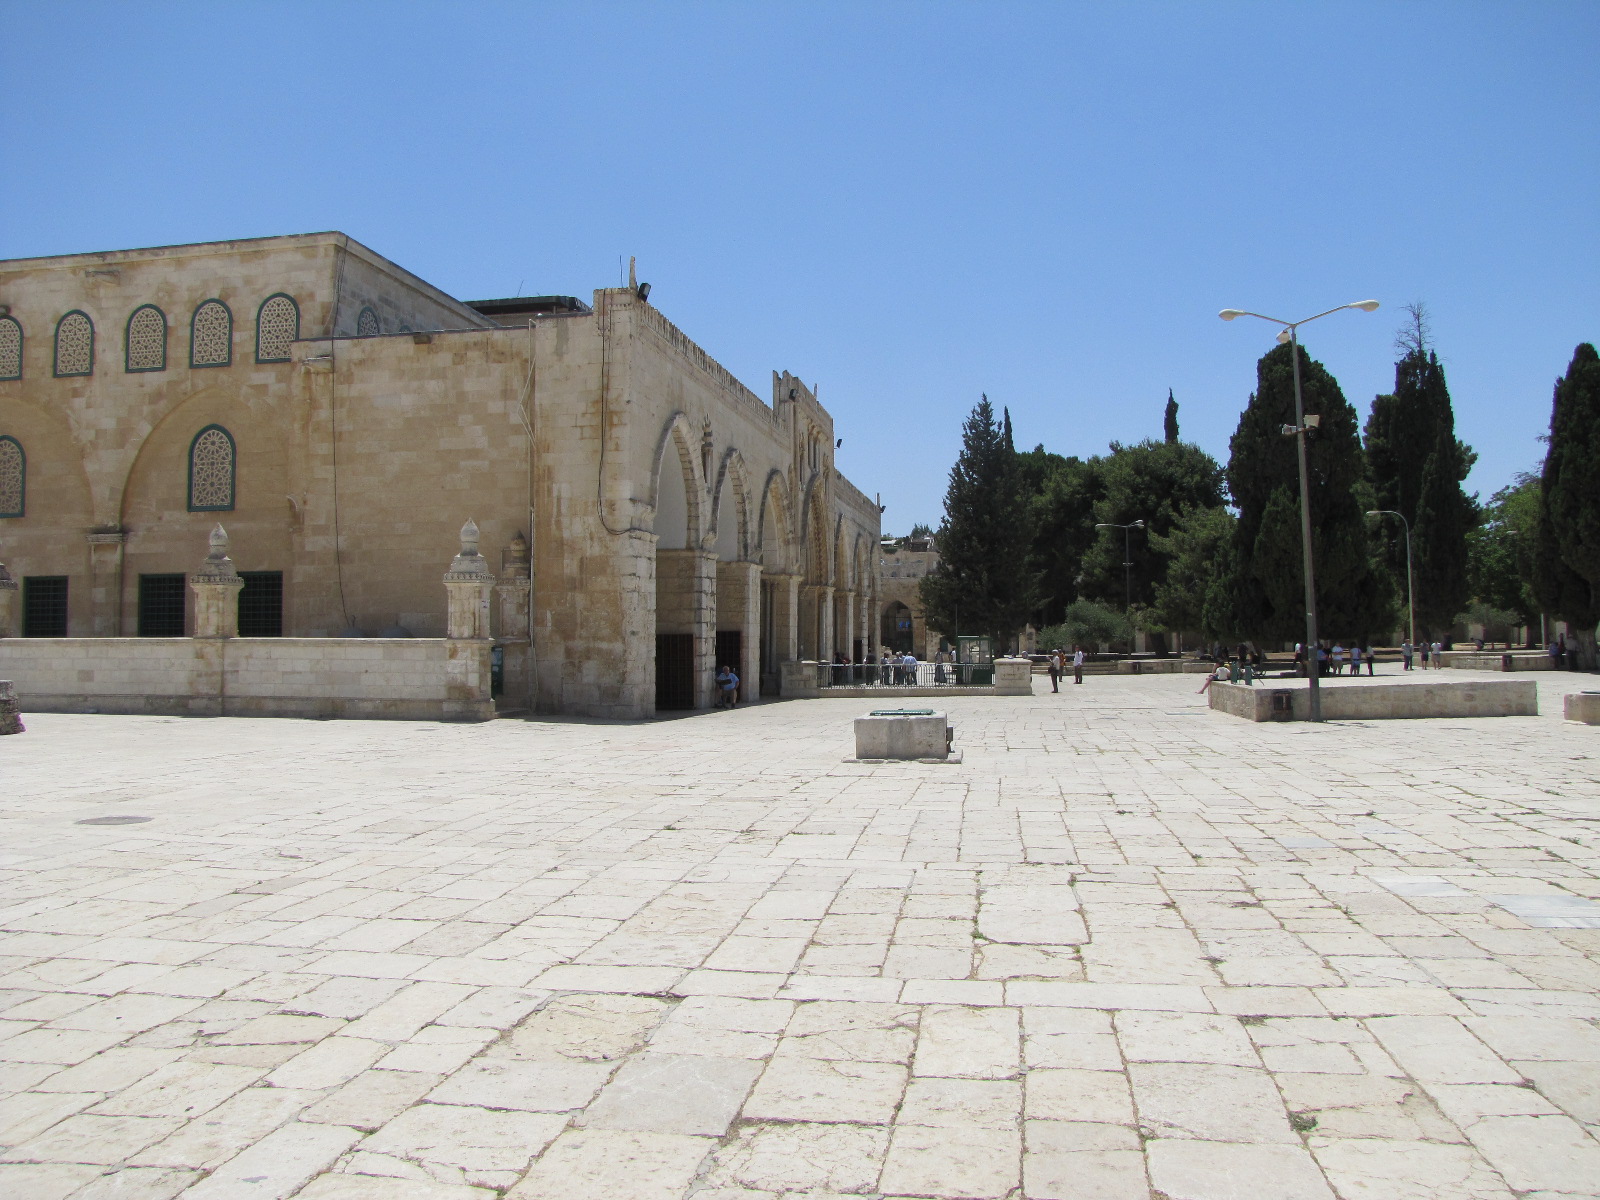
409	679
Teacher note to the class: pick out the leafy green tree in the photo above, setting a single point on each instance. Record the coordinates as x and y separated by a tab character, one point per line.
983	544
1153	482
1089	624
1060	495
1265	587
1567	553
1500	550
1416	466
1198	550
1169	425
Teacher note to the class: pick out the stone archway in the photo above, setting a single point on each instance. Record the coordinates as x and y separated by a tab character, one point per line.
685	580
895	627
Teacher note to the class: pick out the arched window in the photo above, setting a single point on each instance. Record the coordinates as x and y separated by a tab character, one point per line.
367	324
13	478
10	348
277	324
74	345
146	340
211	335
211	470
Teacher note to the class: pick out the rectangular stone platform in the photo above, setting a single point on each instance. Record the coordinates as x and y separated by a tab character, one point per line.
1501	660
920	734
1351	701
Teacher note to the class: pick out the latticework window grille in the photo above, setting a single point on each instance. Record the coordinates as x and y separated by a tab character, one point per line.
211	335
74	344
277	324
367	324
147	340
211	470
13	478
10	349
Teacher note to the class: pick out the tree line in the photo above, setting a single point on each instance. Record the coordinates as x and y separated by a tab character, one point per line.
1219	549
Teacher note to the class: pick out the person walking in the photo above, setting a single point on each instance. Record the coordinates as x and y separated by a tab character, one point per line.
1406	650
1355	658
1055	670
1077	664
1438	662
1370	659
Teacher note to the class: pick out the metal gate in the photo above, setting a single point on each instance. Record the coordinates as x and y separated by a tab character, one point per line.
674	671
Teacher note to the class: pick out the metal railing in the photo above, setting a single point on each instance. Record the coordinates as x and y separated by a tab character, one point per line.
893	675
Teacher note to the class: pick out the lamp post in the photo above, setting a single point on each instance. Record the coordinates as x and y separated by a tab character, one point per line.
1127	563
1411	602
1290	334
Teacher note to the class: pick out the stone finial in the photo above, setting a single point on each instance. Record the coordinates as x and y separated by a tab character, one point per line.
516	561
469	563
218	566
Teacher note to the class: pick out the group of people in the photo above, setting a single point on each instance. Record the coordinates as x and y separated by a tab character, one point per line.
1059	661
1432	654
1336	659
1563	653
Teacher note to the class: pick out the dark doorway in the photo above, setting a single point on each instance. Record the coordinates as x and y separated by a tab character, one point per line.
261	604
44	606
674	671
161	605
769	638
896	628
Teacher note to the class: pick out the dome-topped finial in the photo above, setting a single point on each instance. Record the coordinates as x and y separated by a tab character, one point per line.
469	539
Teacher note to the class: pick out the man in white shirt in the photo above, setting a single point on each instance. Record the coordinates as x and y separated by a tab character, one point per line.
1077	664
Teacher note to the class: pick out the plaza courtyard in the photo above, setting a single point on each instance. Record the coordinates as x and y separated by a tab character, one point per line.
1126	948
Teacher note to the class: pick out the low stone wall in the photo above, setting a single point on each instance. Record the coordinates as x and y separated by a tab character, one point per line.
1582	706
415	679
1379	701
1490	660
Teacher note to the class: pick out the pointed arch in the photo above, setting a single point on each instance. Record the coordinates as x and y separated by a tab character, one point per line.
773	533
213	470
677	436
10	348
816	564
13	478
277	325
144	343
211	335
731	475
74	345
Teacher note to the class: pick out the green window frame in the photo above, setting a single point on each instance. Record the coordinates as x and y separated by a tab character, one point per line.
15	504
89	370
368	324
12	325
127	340
228	312
294	332
212	495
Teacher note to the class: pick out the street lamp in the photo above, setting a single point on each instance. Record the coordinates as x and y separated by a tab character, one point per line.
1127	558
1411	603
1290	335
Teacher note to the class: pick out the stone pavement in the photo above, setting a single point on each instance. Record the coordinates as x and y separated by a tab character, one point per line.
1128	948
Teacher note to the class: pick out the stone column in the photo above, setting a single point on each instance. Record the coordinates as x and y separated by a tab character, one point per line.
846	618
515	593
469	583
216	586
825	646
105	582
10	605
786	616
739	607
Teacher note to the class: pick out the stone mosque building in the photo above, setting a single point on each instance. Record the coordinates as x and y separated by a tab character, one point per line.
643	514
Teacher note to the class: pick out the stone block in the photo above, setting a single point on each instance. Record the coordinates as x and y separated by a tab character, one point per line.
799	680
1013	677
885	735
1578	706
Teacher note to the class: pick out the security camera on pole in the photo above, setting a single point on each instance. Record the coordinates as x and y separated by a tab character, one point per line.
1303	425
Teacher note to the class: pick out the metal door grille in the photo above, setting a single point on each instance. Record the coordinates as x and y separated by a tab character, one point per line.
44	606
261	604
161	605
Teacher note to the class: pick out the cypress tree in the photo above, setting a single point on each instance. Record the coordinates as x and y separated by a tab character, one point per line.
1567	555
1416	467
983	545
1267	584
1169	425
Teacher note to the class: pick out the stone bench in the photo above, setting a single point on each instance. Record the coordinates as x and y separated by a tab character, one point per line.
1379	701
919	734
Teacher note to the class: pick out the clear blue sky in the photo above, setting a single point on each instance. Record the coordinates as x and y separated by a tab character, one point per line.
907	203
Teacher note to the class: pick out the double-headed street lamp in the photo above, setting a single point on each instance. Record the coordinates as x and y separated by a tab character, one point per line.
1290	335
1127	558
1411	603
